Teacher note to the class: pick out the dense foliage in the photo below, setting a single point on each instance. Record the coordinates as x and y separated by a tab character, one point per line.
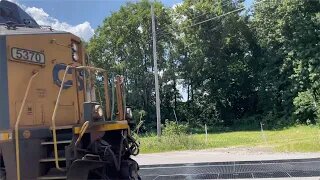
248	67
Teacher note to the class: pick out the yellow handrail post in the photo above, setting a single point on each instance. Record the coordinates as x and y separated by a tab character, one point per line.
54	133
119	82
82	131
106	94
53	120
16	127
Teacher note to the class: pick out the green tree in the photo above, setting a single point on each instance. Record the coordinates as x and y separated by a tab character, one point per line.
259	66
288	33
217	61
123	45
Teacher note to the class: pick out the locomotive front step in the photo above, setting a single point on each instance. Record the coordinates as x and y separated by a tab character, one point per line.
54	174
58	142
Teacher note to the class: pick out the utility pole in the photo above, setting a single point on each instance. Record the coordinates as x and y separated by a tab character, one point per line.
156	80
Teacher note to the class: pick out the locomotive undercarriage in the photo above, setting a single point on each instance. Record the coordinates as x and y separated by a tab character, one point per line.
107	157
99	155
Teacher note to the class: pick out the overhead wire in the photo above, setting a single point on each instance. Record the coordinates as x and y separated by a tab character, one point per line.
206	13
223	4
225	14
192	19
213	18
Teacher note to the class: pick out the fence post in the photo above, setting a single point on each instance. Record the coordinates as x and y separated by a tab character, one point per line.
206	131
263	134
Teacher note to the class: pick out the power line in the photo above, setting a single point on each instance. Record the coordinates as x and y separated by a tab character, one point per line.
216	17
236	10
203	14
222	5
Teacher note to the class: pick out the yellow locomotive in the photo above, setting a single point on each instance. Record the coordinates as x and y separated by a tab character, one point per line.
51	125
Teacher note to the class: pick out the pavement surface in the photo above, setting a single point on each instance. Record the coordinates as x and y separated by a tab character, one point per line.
219	155
298	168
229	163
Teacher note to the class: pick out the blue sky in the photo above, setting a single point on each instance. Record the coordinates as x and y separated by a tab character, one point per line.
78	16
77	11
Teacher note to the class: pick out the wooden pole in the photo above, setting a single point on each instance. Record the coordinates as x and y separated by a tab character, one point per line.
156	79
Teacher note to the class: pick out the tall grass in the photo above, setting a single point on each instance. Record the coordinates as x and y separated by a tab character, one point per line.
294	139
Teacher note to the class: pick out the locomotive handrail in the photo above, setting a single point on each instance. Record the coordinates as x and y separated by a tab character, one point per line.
54	133
91	68
16	127
106	87
82	131
53	120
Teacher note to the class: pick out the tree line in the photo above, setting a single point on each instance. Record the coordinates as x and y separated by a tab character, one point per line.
239	67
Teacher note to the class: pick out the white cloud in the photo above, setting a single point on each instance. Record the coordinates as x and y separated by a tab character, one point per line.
83	30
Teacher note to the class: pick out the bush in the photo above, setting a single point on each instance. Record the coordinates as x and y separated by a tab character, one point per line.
305	108
172	128
174	137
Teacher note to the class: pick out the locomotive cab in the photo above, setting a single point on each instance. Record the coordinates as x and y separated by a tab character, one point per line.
51	124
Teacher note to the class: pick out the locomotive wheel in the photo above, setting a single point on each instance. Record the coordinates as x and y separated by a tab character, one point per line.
129	170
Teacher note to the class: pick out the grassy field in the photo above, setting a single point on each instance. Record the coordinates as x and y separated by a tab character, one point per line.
294	139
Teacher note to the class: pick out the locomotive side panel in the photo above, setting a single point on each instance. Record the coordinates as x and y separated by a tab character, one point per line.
47	54
4	99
